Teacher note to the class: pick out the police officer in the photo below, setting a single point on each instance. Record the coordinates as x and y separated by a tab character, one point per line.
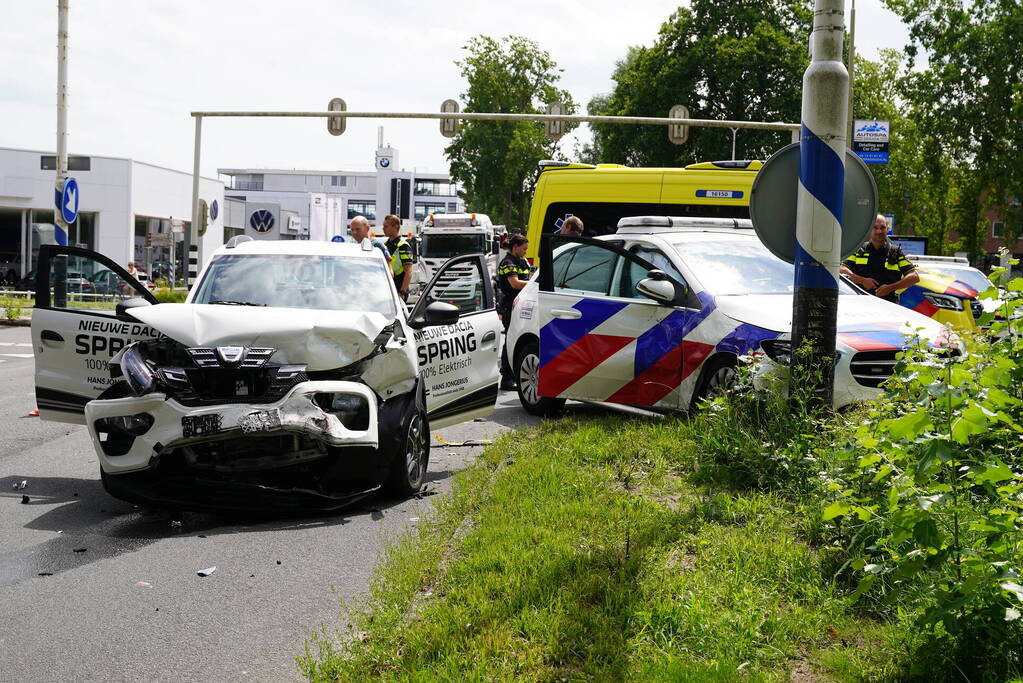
879	266
512	276
401	255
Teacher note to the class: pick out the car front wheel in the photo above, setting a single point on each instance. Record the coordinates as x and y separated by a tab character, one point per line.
408	468
527	375
717	377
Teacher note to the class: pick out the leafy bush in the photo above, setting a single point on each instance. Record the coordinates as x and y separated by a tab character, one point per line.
13	307
170	296
928	498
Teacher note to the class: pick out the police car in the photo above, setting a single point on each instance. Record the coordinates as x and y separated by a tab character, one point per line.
292	378
658	314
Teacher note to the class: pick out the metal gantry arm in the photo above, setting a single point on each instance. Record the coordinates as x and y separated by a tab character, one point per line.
777	126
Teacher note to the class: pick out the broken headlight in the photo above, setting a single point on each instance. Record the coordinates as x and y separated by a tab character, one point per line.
351	409
137	372
134	425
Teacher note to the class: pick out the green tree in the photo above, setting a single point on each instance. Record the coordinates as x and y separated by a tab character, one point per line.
496	161
970	98
919	179
742	60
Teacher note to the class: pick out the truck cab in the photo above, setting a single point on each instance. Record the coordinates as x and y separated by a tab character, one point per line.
446	235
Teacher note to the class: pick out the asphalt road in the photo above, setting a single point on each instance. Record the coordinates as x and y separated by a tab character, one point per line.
96	589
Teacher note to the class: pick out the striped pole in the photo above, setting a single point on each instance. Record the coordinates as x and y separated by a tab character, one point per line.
193	263
819	203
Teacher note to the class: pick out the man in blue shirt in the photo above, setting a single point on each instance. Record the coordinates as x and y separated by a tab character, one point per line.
359	229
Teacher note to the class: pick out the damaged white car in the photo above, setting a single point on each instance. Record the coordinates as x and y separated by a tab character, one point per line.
292	377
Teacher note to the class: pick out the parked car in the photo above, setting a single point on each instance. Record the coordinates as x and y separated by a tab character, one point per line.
965	278
143	277
658	314
108	283
291	378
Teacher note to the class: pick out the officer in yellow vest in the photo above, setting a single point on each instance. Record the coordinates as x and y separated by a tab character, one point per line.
879	266
401	255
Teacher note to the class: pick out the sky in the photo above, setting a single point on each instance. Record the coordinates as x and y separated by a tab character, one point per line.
138	68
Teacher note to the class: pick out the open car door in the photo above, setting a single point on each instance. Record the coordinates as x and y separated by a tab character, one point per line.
76	328
602	338
459	362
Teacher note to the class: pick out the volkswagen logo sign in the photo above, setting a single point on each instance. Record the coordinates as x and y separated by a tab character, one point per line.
261	220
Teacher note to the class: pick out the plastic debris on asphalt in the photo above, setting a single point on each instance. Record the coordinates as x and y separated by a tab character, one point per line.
207	571
456	444
79	550
25	499
175	524
20	485
144	584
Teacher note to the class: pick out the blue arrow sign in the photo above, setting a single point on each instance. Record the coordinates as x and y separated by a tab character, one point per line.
69	201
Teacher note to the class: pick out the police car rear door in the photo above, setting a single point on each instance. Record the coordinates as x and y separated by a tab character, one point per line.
75	329
459	362
600	340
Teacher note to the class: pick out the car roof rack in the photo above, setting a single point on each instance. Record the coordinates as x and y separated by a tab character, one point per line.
928	258
640	225
236	240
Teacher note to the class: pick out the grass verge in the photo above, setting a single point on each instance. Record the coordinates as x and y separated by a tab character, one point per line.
602	549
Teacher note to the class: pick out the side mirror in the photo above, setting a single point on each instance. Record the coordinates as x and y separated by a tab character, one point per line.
495	246
436	313
658	287
123	306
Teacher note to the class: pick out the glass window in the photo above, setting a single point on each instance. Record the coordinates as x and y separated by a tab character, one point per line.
460	285
446	246
997	228
84	283
633	272
362	208
601	218
590	270
424	209
739	266
338	181
298	281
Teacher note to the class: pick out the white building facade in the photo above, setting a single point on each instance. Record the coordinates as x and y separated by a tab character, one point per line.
121	202
325	201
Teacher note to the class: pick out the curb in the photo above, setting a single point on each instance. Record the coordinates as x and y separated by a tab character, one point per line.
15	323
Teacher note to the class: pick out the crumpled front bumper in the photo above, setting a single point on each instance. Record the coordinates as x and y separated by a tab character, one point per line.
296	413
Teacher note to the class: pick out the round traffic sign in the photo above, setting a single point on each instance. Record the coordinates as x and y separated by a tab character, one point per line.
337	238
69	201
772	203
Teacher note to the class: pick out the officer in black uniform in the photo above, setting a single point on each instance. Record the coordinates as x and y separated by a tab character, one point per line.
879	266
512	276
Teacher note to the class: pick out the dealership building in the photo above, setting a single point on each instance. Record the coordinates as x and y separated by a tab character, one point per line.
130	210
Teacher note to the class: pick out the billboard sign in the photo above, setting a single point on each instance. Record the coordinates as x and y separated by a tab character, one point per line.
870	140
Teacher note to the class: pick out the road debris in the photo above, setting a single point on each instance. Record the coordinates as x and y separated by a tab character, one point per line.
278	561
470	442
25	499
144	584
207	571
79	550
20	485
45	573
176	524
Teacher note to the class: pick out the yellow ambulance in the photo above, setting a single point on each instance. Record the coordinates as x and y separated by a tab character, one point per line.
604	193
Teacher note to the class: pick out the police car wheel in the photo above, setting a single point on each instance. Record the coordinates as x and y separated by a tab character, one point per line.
408	468
527	376
717	377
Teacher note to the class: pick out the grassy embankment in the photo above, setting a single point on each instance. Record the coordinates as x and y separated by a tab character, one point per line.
615	548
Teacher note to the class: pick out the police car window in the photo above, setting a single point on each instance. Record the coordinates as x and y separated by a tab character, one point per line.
590	271
562	259
739	266
633	272
460	285
298	281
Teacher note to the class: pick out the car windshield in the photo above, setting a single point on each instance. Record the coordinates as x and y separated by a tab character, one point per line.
334	283
739	266
974	278
446	246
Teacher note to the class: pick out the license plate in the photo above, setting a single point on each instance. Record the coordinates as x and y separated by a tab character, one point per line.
200	425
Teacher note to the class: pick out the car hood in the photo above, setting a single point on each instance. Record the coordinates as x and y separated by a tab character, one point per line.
855	313
322	340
